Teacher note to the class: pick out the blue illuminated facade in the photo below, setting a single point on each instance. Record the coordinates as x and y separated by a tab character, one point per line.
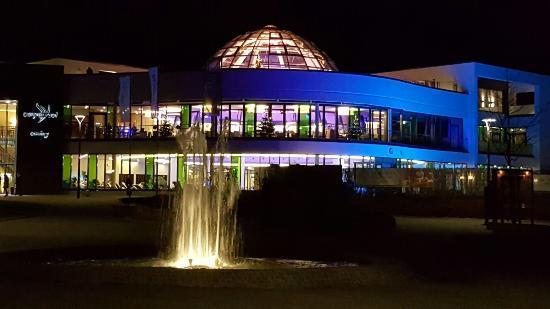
282	109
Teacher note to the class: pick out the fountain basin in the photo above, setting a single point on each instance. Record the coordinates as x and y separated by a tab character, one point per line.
248	273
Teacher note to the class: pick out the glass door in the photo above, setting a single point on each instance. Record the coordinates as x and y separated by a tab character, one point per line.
8	152
97	125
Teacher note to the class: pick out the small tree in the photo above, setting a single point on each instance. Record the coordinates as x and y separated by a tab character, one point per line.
511	150
354	131
166	129
267	129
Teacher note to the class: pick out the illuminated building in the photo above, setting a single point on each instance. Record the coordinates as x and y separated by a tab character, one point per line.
271	78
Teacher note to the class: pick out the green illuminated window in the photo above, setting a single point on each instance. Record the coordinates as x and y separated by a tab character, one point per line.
185	115
149	172
249	120
182	171
66	184
67	113
304	120
236	168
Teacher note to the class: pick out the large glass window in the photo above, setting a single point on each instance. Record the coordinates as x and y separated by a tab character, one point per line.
376	125
343	121
224	122
136	117
169	120
290	120
196	115
291	117
304	119
383	125
173	114
396	129
365	123
237	117
83	171
420	129
123	171
262	120
148	122
490	100
100	180
277	117
423	132
249	120
330	122
518	136
78	110
355	127
316	121
98	122
111	177
162	171
173	179
207	120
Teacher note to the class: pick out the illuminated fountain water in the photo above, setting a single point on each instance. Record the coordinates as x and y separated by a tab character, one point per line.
201	230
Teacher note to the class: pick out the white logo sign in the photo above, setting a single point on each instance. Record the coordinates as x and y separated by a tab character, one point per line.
42	114
42	134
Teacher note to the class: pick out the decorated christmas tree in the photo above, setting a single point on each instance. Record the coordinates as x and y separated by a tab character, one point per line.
166	129
354	131
267	129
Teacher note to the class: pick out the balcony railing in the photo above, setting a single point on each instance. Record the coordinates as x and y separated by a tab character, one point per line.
123	132
501	148
7	135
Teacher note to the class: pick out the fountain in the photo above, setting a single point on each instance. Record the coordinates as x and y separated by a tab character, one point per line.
199	226
200	229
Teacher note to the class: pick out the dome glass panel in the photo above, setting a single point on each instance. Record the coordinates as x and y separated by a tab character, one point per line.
271	48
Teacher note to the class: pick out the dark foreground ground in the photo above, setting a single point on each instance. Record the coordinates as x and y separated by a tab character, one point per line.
427	263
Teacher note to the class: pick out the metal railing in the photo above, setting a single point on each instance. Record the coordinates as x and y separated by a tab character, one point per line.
121	132
501	148
7	134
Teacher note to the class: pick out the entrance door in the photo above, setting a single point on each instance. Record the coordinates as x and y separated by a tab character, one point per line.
97	125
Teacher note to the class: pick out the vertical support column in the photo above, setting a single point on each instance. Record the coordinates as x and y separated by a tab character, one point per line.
317	116
110	121
213	97
389	124
242	172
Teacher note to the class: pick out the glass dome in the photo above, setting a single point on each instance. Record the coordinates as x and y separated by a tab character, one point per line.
271	48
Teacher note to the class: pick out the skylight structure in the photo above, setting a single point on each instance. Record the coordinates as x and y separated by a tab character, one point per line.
271	48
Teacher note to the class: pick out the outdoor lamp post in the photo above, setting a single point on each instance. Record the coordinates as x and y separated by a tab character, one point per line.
488	122
80	119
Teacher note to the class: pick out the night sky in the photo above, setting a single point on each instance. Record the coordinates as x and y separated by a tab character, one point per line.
360	36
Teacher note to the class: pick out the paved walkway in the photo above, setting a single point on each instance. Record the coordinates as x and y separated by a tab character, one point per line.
62	221
430	263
